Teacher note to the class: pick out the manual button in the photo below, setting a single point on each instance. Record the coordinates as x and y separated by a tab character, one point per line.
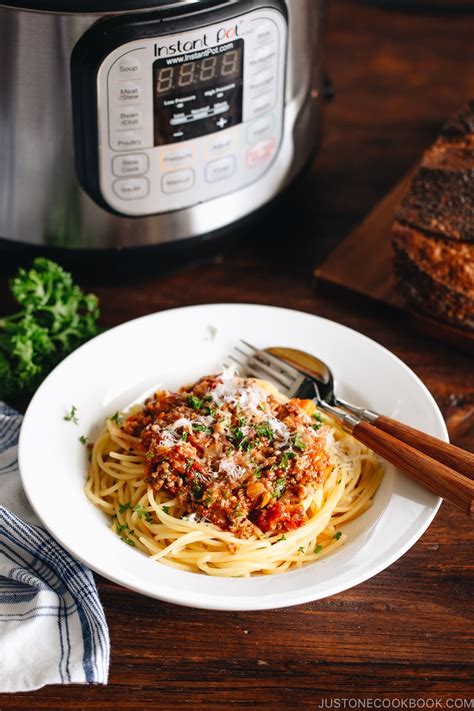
132	164
178	181
132	189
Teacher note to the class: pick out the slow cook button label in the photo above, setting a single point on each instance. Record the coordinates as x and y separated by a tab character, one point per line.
220	169
178	181
132	189
130	164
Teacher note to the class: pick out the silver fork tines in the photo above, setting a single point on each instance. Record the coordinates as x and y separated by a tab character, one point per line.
261	364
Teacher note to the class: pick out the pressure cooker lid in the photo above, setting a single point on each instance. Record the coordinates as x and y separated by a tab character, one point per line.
103	6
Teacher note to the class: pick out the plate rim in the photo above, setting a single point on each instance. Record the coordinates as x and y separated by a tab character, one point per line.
219	602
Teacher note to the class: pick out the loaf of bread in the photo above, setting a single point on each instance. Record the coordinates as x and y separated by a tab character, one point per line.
433	234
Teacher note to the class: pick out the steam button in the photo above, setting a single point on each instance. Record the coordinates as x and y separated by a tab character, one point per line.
132	189
221	169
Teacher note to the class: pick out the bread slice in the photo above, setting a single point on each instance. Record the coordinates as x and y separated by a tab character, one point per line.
436	275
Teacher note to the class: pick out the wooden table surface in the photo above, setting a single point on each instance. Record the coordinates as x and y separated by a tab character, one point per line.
407	633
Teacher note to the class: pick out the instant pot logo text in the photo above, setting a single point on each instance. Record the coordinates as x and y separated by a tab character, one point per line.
223	34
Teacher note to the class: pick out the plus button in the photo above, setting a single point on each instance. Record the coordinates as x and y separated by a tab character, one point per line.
222	122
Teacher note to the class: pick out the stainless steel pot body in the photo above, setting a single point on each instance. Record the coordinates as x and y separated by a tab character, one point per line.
41	199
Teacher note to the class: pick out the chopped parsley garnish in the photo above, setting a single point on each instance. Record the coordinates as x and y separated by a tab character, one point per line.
184	437
189	464
83	439
282	538
125	507
115	418
285	460
318	548
201	428
197	491
208	501
119	527
298	443
338	535
301	549
149	455
166	509
194	402
128	541
142	513
319	421
238	512
279	488
240	440
242	420
210	411
264	430
72	416
258	474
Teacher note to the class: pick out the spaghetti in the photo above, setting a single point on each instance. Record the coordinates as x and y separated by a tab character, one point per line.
229	478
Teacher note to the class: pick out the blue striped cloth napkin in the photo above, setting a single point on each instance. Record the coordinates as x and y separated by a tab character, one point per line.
52	625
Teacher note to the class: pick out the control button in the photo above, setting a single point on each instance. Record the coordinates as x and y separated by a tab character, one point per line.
179	157
221	169
264	33
126	117
263	55
132	189
222	122
263	103
262	81
127	67
260	129
128	92
220	144
126	140
132	164
261	152
178	182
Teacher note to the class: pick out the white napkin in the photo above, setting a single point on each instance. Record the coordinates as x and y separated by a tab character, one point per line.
52	625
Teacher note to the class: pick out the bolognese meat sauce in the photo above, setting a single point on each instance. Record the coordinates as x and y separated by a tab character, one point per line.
232	454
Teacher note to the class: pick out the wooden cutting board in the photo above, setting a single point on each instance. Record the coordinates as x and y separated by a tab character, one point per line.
362	265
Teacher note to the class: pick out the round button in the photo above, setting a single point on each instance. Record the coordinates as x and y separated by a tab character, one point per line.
132	189
130	164
178	181
221	169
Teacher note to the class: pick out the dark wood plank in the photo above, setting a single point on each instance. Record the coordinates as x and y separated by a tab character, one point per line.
407	632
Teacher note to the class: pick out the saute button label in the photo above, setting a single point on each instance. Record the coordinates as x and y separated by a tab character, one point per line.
132	164
132	189
221	169
178	181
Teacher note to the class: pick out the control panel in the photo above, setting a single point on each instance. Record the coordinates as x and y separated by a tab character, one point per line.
187	117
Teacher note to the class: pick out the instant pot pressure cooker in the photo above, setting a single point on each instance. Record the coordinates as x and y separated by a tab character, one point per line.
126	123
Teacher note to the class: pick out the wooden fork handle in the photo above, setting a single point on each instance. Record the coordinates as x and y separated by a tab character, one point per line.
454	457
435	476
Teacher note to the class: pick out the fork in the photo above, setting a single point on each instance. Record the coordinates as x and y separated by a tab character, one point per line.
442	480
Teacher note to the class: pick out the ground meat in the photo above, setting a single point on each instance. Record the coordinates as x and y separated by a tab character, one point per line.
232	453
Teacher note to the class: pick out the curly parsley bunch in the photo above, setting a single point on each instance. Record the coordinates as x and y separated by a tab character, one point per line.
55	318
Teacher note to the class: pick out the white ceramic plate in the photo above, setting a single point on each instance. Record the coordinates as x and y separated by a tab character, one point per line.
173	348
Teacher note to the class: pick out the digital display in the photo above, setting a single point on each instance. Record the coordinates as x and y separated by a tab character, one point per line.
197	94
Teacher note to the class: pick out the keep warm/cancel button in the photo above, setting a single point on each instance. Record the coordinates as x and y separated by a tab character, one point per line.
178	181
132	189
